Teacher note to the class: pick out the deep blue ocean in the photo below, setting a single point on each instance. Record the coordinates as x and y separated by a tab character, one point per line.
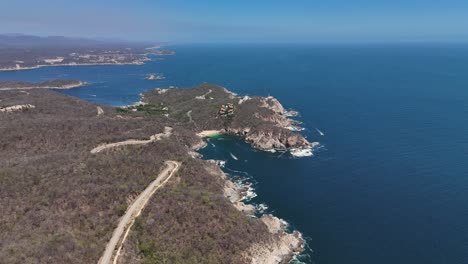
390	182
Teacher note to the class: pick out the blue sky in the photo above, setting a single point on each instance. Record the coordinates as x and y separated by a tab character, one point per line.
241	20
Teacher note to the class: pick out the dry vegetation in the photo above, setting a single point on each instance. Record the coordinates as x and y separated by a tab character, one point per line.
253	119
56	84
59	203
205	112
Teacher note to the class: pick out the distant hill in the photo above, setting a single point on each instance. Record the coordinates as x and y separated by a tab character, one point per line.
29	41
20	52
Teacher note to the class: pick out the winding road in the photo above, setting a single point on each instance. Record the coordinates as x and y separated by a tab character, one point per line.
167	133
114	246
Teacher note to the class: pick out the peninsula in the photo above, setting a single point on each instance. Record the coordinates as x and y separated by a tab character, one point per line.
52	84
31	52
210	109
88	183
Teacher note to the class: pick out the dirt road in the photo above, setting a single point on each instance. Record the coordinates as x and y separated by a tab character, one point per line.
167	132
113	248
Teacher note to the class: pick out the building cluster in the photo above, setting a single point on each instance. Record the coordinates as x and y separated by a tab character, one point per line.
226	110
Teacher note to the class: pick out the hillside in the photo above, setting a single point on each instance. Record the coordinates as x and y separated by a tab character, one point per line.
61	202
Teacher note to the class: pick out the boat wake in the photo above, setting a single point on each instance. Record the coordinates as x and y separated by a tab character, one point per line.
320	132
234	157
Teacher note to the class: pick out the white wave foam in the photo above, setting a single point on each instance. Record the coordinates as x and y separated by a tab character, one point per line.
295	128
304	152
261	208
249	194
301	152
291	113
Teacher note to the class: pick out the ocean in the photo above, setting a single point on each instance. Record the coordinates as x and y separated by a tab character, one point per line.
389	183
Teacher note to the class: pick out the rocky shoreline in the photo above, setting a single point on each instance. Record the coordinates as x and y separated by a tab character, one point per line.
282	246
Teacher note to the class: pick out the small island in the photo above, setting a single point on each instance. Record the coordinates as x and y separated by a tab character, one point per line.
52	84
155	76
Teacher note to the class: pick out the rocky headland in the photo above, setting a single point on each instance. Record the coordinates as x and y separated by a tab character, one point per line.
208	109
51	84
32	52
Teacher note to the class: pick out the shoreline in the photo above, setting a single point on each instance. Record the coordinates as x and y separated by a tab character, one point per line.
295	152
284	245
71	65
30	86
65	87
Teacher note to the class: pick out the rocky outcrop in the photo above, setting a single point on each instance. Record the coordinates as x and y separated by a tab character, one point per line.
16	108
265	140
277	119
281	248
275	129
273	104
155	76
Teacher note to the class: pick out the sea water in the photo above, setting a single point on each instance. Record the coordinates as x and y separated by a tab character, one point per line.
390	181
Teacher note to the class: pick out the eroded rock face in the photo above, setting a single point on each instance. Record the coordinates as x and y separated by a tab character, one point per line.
277	119
273	104
296	140
281	249
266	138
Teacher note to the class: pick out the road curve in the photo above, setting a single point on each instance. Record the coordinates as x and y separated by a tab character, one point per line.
167	133
127	221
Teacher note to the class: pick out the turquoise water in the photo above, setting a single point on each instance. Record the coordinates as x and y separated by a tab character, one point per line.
390	183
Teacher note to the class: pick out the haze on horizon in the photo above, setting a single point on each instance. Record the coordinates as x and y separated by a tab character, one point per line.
242	20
